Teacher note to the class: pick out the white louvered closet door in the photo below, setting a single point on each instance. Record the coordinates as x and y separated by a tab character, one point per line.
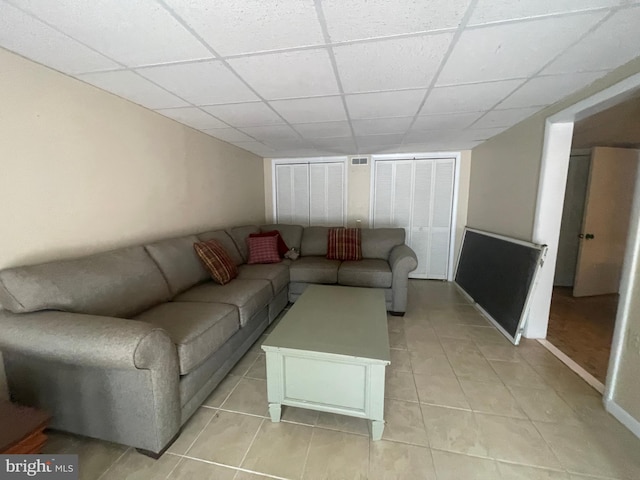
292	194
326	199
417	195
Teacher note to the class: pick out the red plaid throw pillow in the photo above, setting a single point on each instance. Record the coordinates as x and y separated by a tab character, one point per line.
282	247
344	244
217	260
263	250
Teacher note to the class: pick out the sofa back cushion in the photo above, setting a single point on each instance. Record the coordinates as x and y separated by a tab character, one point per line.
178	262
226	241
291	234
240	235
378	242
314	241
120	283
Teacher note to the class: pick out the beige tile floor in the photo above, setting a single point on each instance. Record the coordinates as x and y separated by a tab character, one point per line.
462	403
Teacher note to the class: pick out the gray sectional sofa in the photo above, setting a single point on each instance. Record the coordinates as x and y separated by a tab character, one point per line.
126	345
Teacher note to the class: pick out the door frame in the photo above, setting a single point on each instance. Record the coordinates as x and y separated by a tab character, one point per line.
454	205
546	229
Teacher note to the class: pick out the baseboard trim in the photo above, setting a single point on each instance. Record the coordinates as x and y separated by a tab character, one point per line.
622	416
586	376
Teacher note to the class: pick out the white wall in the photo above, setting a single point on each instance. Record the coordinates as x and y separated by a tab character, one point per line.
84	171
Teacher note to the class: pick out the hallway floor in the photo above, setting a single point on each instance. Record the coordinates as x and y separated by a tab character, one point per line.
582	328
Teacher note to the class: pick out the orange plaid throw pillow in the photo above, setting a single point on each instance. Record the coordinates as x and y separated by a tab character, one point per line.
217	260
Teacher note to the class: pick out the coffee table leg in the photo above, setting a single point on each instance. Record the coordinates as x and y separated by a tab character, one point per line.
377	427
275	409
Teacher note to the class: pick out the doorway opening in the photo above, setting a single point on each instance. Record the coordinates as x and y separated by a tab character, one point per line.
552	184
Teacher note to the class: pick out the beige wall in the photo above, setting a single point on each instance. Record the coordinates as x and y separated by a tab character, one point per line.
85	171
505	171
463	201
358	194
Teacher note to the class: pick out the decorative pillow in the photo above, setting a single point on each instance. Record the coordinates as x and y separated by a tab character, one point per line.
282	247
217	260
263	249
344	244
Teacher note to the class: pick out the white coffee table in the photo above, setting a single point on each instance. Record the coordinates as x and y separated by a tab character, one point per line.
329	353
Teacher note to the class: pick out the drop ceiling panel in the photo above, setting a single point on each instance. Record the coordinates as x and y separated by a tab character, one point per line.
446	121
229	135
257	148
288	143
336	144
133	33
512	50
323	129
430	136
487	11
385	104
468	98
505	118
271	132
306	110
369	141
232	27
245	114
547	90
612	44
391	64
33	39
288	74
127	84
379	126
193	117
202	83
359	19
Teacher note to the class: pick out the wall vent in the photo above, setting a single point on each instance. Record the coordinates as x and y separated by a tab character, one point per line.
359	160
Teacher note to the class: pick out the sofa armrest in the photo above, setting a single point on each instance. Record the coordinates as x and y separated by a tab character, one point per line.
87	340
102	377
402	261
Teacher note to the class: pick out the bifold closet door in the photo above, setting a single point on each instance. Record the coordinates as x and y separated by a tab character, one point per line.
310	193
326	194
417	195
292	194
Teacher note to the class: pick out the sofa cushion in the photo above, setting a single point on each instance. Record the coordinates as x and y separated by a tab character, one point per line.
277	274
282	246
178	262
226	241
216	259
378	242
196	329
249	295
314	241
369	272
240	235
314	270
344	244
291	234
120	283
263	250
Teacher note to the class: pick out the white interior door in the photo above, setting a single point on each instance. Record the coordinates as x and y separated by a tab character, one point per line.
417	195
612	178
292	194
326	199
310	193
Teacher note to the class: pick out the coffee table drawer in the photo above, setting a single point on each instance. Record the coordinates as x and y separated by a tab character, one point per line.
324	382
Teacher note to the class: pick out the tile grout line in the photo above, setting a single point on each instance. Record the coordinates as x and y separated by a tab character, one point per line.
255	435
112	463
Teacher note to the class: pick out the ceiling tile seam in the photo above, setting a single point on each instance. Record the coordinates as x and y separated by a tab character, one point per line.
597	25
182	22
544	16
454	40
53	27
480	82
332	58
